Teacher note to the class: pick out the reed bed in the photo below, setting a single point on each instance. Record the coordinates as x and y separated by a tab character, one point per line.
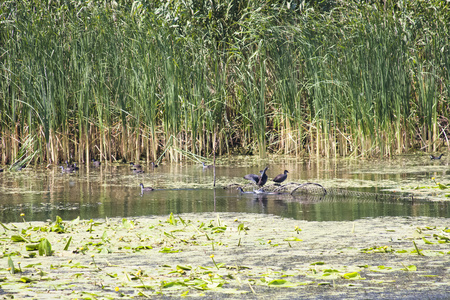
132	80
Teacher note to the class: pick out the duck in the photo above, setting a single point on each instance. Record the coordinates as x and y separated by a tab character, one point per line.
281	177
137	171
263	179
135	167
435	157
71	166
205	166
68	169
146	189
96	163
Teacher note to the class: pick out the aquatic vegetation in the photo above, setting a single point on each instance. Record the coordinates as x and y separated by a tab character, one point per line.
166	256
128	80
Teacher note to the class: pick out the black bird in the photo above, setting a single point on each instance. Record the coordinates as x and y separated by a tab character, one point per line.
252	177
281	177
135	167
137	171
1	170
69	169
73	166
205	166
263	179
96	163
153	165
435	157
146	189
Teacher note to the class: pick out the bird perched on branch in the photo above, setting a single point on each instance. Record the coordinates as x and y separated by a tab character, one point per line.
259	180
281	177
263	179
252	177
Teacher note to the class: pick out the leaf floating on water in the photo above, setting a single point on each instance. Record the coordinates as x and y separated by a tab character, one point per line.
427	241
410	268
18	239
282	283
352	276
319	263
186	268
32	247
168	250
442	186
293	239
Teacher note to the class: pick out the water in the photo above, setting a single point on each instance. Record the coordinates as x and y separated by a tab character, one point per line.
113	190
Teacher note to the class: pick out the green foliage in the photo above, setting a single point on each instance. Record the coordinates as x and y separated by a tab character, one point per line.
141	78
45	248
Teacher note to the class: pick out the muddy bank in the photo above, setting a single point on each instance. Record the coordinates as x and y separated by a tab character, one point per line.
227	255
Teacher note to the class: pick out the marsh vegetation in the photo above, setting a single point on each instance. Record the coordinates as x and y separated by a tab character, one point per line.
225	255
153	79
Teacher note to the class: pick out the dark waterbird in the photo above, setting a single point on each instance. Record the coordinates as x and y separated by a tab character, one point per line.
281	177
96	163
263	179
135	166
145	189
252	177
72	167
435	157
68	169
205	166
259	180
1	170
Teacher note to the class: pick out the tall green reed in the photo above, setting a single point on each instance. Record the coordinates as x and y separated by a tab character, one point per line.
88	80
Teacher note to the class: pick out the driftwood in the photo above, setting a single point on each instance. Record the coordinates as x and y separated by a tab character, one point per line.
296	189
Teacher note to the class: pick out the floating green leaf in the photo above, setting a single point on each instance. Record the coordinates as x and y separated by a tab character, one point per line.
410	268
352	275
169	250
427	241
26	279
281	283
18	238
293	239
32	247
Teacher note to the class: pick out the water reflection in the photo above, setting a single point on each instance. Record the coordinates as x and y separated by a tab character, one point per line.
114	191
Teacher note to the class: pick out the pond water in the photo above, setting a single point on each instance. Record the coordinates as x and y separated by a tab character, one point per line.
113	190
